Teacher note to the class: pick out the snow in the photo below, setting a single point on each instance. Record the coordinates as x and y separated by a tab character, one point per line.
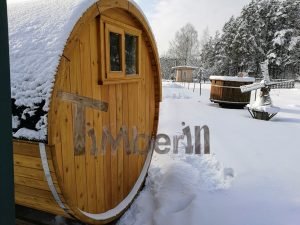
38	32
265	108
251	176
280	36
24	133
263	104
15	122
174	93
272	55
293	43
185	67
230	78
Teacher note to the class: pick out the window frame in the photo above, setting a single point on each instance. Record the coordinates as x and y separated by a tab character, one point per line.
110	28
138	54
108	25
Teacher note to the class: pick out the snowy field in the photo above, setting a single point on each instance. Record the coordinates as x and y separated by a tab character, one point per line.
251	177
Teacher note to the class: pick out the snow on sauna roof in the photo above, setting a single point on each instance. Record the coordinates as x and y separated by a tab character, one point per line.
185	67
229	78
38	32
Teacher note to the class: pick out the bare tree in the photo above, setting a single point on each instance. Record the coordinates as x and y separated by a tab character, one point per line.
204	37
185	45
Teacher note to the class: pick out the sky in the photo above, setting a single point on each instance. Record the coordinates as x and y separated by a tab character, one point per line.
168	16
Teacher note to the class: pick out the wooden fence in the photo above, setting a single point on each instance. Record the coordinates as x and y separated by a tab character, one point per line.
284	85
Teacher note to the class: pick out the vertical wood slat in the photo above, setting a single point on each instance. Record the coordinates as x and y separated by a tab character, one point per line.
140	127
156	100
130	125
80	167
87	91
141	112
136	125
147	93
133	108
66	126
55	112
107	159
120	151
97	116
151	100
105	122
126	124
102	75
113	130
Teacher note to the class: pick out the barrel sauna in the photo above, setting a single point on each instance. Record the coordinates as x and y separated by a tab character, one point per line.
225	90
83	72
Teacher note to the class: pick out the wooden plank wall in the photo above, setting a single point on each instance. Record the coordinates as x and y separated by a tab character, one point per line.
93	183
31	187
98	183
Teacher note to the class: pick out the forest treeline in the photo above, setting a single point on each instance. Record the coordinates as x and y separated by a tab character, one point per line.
265	29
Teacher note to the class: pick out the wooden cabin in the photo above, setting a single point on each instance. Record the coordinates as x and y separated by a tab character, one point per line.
184	73
225	90
82	71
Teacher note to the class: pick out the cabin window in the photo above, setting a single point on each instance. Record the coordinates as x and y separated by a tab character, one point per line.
131	46
115	51
121	44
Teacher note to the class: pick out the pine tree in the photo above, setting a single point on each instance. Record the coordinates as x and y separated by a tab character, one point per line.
265	29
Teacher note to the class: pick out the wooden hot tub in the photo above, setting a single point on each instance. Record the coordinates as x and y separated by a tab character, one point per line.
225	90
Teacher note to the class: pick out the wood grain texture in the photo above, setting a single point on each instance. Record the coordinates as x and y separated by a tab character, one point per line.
229	92
97	115
81	100
107	154
120	149
82	106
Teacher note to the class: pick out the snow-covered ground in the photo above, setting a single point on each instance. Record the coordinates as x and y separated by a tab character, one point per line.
251	177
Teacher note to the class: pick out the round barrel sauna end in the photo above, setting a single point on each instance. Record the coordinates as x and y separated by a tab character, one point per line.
85	146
